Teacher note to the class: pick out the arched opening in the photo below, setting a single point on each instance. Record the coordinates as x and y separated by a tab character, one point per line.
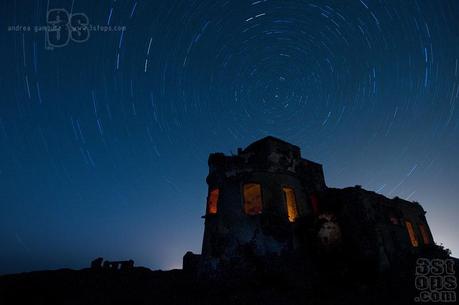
252	199
290	200
212	201
424	233
411	234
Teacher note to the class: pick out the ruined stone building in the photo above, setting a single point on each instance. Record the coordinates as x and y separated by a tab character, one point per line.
267	206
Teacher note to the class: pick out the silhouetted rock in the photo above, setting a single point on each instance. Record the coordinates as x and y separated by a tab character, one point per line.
191	262
127	265
118	265
97	263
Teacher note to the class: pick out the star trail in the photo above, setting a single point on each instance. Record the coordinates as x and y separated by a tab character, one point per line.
105	131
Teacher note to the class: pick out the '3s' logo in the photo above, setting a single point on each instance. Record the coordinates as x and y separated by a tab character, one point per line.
64	27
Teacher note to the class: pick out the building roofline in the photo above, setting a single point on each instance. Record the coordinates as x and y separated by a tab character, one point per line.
267	139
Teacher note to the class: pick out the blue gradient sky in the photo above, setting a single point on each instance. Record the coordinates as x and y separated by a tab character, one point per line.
104	143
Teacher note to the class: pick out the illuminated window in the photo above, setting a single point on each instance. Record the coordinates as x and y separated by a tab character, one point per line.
413	239
252	198
289	195
212	201
424	233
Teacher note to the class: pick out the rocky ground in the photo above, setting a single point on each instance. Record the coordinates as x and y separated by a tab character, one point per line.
143	286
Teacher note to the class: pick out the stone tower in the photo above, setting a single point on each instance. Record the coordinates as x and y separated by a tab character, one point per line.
255	198
268	205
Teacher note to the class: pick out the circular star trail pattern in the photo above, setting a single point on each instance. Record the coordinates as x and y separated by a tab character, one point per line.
104	143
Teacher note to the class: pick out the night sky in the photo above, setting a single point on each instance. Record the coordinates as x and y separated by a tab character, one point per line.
104	138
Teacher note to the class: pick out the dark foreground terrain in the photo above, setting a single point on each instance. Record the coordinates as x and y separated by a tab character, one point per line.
143	286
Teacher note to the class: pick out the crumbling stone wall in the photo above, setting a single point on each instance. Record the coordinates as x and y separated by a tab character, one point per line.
359	227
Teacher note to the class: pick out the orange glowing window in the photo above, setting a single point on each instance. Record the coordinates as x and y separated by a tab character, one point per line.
289	196
424	233
252	198
412	235
212	201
